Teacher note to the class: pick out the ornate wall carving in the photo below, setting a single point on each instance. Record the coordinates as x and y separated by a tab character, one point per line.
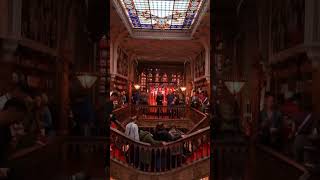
200	63
122	62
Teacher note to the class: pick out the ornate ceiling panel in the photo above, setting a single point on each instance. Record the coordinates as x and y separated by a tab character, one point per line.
165	50
161	14
161	19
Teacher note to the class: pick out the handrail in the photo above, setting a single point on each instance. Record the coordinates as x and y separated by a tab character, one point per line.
122	114
282	157
186	137
203	120
157	111
161	157
169	171
30	149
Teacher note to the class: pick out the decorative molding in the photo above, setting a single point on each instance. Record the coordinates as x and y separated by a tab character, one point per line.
122	15
201	78
167	35
203	10
36	46
121	76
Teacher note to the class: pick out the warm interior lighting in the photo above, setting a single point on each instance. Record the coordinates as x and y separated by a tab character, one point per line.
87	79
137	86
234	87
183	88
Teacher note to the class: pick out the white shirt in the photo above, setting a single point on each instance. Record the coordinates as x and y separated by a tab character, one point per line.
3	100
132	131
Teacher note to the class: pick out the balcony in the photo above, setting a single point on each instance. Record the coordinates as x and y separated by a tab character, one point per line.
186	158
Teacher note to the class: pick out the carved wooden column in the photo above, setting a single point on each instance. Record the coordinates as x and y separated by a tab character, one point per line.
312	42
66	27
63	79
4	18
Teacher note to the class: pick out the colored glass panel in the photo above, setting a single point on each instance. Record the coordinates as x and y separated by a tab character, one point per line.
162	14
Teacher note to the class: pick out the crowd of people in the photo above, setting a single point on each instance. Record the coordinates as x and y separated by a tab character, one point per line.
200	100
170	99
26	120
287	126
160	136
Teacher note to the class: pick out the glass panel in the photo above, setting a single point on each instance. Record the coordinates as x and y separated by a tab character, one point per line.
162	14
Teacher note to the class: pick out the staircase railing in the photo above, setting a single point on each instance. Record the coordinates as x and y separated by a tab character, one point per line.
229	158
123	114
200	120
271	161
157	112
160	158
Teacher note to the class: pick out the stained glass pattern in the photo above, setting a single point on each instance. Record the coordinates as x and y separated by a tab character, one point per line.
162	14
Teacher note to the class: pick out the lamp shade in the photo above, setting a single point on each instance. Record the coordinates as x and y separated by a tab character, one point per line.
183	88
234	87
137	86
86	79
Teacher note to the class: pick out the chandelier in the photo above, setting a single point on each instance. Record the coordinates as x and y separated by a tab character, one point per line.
87	79
234	86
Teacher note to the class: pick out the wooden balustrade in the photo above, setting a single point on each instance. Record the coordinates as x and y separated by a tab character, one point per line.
271	161
229	158
199	119
85	154
38	161
123	114
160	158
157	112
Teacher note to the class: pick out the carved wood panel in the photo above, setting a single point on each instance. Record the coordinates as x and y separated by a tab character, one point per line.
39	21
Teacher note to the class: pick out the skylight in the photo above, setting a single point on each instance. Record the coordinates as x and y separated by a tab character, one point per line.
162	14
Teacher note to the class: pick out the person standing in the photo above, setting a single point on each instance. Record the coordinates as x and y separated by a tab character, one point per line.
205	102
170	100
106	128
132	129
123	98
108	110
159	101
47	118
270	124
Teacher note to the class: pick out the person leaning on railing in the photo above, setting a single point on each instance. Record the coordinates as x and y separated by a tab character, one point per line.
145	156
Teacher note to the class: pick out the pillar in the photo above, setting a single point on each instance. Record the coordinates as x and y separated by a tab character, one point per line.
63	95
4	18
312	42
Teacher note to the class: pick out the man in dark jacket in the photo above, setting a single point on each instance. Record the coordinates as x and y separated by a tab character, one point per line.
109	108
106	128
147	137
161	134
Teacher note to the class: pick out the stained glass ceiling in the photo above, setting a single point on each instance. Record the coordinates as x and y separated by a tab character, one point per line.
162	14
